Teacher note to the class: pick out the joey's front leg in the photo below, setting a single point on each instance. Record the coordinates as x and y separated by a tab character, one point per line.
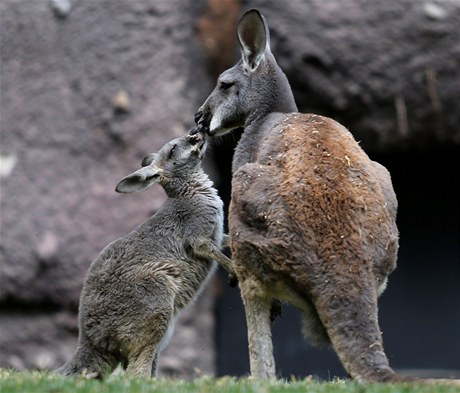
209	250
232	279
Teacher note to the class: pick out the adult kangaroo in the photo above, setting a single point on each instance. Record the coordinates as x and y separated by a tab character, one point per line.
312	218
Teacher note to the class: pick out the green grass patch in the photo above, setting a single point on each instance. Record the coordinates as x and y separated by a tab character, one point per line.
34	381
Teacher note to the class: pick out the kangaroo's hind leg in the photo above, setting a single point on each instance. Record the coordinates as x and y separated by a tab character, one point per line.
140	364
257	309
143	356
312	327
149	332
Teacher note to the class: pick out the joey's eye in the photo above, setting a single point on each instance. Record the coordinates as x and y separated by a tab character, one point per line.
225	85
171	152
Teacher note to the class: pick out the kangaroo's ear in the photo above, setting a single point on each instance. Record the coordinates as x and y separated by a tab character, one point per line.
139	180
254	38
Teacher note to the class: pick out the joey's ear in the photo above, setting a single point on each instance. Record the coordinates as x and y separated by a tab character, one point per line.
139	180
254	38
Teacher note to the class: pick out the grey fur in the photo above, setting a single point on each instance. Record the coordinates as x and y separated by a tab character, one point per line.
312	219
139	283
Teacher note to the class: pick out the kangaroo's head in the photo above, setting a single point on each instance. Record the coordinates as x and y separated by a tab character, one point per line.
251	89
177	162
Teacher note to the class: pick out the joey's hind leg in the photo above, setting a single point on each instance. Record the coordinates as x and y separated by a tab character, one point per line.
141	363
148	335
349	314
257	309
88	360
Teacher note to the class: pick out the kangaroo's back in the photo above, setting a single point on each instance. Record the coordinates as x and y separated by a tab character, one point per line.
341	202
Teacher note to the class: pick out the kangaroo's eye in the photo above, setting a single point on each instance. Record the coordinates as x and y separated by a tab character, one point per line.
171	152
225	85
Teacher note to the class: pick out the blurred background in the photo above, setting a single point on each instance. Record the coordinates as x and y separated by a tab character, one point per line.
89	87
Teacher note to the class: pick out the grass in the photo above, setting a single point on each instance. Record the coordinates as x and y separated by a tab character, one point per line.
34	381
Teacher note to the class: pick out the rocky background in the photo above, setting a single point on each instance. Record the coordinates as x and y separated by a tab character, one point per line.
89	87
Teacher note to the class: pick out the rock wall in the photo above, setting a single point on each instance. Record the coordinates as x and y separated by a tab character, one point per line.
388	70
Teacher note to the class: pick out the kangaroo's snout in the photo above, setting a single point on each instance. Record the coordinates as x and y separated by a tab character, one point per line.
202	122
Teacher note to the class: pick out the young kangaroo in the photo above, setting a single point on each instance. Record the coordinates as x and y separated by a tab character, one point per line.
311	219
138	283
